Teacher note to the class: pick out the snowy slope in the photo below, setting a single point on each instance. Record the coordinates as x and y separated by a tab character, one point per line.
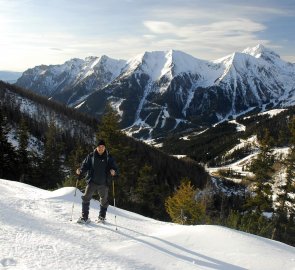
35	233
74	80
172	63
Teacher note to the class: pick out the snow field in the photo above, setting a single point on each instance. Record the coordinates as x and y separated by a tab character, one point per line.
35	233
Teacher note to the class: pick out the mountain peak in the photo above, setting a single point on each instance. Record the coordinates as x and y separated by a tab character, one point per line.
260	51
172	62
73	61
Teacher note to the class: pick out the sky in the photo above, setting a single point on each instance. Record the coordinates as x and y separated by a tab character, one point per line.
36	233
35	32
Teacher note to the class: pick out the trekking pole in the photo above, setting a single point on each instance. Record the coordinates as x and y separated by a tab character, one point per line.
114	203
74	200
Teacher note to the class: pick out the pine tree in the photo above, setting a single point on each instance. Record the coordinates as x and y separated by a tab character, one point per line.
51	166
233	219
260	201
282	137
262	169
150	195
74	161
109	130
145	185
182	206
256	223
23	154
285	201
8	162
36	171
285	212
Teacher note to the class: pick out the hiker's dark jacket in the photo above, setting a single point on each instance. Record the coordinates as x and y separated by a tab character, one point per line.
97	168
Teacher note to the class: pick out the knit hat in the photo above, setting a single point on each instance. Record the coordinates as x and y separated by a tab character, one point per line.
101	142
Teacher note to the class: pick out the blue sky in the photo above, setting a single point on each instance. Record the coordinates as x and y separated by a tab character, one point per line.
35	32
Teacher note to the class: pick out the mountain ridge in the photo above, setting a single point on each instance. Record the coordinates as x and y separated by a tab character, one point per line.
163	91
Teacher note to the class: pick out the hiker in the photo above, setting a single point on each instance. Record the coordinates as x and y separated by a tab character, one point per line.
99	166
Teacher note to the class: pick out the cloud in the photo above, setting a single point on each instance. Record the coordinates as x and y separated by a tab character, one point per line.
56	49
224	35
217	11
289	58
261	11
207	30
222	28
211	26
158	27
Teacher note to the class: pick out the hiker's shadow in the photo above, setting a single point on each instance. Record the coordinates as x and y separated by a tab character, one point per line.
172	249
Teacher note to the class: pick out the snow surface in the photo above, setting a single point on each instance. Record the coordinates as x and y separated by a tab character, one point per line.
35	233
273	112
239	166
34	144
240	127
173	63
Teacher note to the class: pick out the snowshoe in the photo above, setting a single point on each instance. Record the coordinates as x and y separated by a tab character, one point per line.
81	220
100	220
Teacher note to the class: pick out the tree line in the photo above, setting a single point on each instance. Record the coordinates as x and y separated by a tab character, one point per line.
256	210
211	144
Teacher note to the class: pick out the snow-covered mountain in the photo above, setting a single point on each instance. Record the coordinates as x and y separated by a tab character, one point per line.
36	234
72	80
159	92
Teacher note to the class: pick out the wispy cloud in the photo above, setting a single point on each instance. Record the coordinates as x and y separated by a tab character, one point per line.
158	27
217	12
32	35
224	34
221	28
56	49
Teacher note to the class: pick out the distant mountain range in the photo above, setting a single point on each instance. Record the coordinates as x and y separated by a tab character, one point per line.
160	92
9	76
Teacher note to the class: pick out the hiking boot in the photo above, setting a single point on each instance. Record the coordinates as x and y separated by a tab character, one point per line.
101	218
102	212
82	220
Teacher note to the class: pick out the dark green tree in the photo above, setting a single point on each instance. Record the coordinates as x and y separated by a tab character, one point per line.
254	219
73	162
262	168
284	217
145	185
149	194
51	166
23	153
8	163
109	130
256	223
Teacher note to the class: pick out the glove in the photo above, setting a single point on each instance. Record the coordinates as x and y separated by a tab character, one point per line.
78	171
